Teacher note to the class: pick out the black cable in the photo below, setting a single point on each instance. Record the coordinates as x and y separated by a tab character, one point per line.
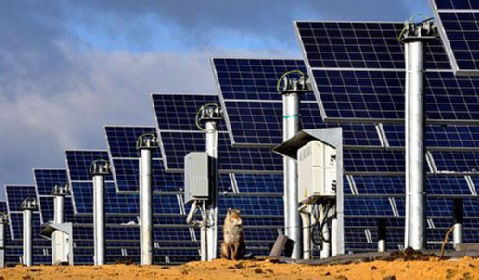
317	229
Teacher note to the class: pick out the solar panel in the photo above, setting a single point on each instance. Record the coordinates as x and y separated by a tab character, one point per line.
371	95
122	140
45	180
367	82
436	186
364	45
179	140
451	136
253	106
177	111
16	194
176	145
369	206
459	162
373	161
459	30
125	161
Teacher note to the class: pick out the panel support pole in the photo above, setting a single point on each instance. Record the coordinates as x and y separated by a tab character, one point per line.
3	222
28	206
290	90
414	36
210	115
99	169
381	235
146	143
458	212
211	140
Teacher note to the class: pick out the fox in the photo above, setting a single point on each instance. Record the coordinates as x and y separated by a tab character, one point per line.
233	246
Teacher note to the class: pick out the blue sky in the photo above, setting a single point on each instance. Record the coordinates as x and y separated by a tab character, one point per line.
69	67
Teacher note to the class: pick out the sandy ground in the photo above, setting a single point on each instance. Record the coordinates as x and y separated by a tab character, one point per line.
465	268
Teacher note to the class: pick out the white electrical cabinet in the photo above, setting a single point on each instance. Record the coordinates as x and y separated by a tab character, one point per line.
316	172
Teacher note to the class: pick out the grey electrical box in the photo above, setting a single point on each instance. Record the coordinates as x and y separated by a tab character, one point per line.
196	177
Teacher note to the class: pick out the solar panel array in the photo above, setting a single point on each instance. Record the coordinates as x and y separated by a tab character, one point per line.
358	75
459	30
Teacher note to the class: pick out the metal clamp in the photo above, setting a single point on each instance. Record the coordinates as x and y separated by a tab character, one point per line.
30	203
210	112
147	141
423	30
61	190
100	167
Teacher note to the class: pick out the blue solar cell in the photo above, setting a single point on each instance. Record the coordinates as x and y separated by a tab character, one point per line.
252	206
380	161
441	185
378	184
456	4
370	206
454	136
127	176
176	235
459	162
268	183
447	185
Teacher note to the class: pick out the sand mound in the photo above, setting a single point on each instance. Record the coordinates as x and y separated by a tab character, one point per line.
464	268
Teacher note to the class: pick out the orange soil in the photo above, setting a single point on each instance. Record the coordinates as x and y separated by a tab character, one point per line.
465	268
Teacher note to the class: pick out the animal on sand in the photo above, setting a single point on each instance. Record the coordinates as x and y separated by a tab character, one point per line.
233	247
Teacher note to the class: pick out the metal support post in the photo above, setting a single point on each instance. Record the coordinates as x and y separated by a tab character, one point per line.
3	222
414	36
210	115
98	170
290	90
458	212
212	203
381	224
28	205
146	143
60	246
